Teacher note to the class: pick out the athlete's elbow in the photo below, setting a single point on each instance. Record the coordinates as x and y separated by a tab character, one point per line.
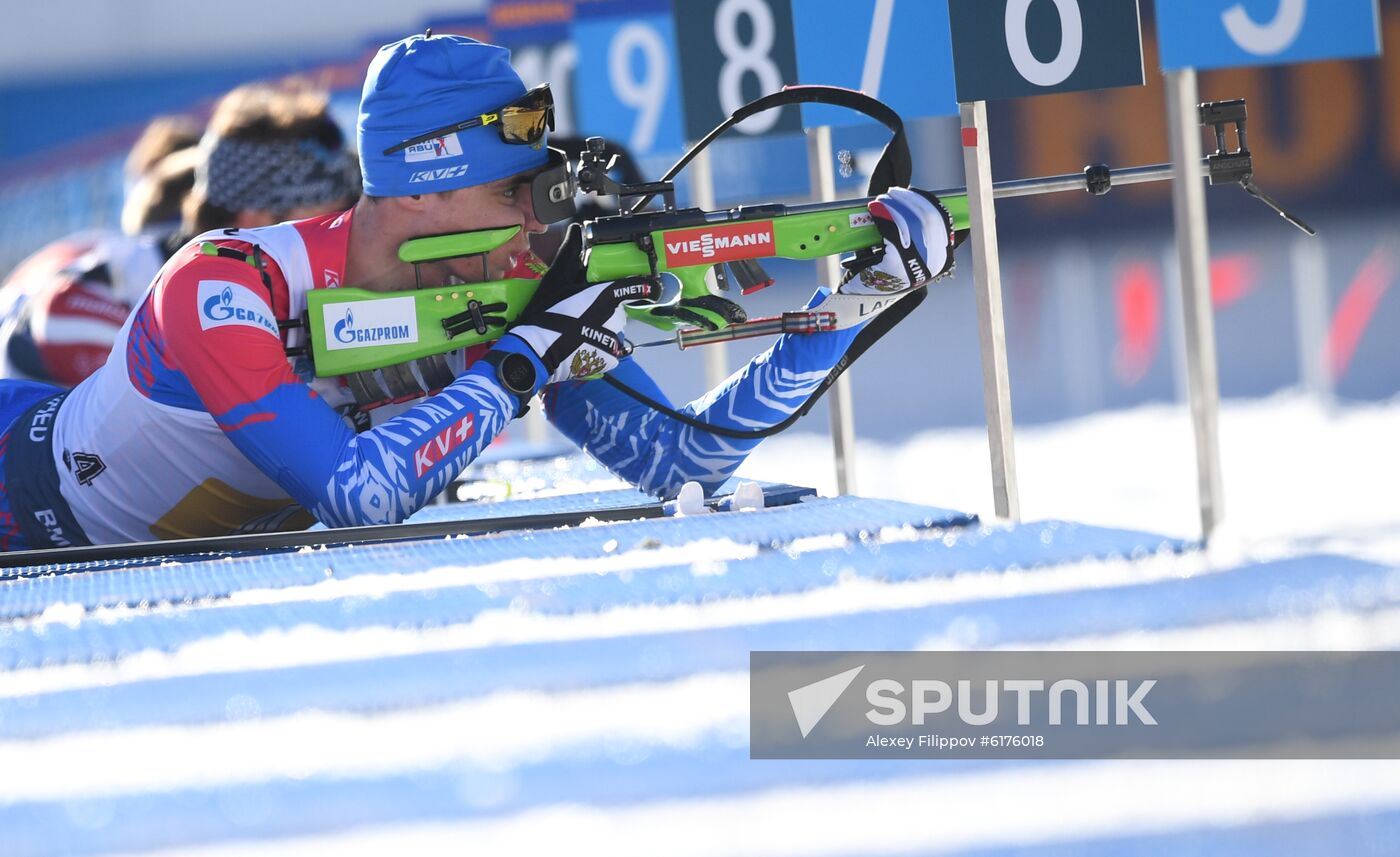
362	511
668	487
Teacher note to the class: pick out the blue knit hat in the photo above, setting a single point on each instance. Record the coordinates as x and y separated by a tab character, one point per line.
427	82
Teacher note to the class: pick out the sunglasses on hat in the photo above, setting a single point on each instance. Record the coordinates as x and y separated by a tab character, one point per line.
522	121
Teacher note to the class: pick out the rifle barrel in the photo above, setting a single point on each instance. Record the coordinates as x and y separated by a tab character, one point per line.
1077	181
618	229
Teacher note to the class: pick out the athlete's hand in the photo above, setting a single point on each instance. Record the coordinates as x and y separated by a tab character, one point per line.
572	325
919	241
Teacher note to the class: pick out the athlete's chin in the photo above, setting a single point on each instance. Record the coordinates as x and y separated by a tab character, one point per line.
503	264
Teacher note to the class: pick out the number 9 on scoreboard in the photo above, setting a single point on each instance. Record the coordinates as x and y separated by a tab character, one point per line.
627	79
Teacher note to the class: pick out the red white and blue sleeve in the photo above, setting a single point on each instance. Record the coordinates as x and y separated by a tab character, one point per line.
219	329
659	453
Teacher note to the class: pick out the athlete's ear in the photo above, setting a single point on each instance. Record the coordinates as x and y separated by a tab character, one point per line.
413	201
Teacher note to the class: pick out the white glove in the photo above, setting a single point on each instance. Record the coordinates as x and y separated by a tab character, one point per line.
918	233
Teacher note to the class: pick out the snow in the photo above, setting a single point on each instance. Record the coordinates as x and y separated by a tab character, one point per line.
661	766
930	815
250	749
1298	473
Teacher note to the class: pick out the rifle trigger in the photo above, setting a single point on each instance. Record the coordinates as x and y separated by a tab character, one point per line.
649	247
721	278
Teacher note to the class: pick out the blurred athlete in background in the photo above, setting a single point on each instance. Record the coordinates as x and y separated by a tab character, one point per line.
164	136
61	309
57	308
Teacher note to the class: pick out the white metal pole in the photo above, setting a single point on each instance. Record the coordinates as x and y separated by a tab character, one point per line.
991	327
1310	307
1193	265
702	177
1176	337
843	428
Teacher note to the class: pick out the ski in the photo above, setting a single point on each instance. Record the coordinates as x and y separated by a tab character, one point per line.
32	563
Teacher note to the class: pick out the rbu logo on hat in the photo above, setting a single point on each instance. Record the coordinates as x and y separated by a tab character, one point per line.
431	150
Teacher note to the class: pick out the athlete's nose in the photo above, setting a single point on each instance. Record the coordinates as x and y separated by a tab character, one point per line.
530	223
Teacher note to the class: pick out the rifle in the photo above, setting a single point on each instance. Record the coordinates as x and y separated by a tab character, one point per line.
353	331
